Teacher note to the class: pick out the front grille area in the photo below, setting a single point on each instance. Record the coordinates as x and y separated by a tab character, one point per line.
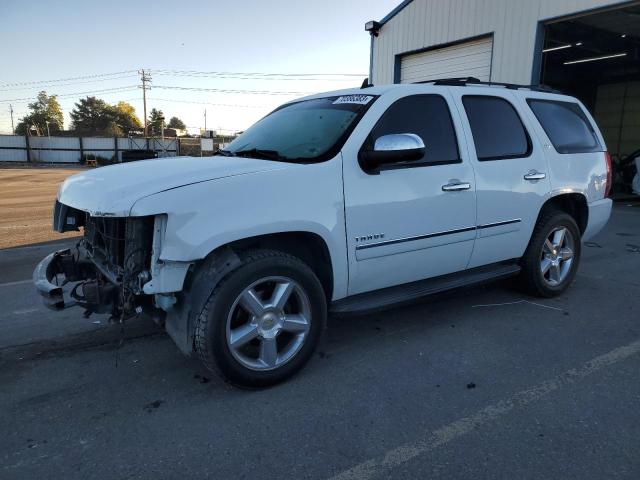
120	247
106	237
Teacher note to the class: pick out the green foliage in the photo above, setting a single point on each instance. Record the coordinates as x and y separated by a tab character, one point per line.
93	116
154	124
45	109
175	122
125	117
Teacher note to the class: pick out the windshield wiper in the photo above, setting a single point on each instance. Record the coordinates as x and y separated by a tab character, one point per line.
259	153
224	153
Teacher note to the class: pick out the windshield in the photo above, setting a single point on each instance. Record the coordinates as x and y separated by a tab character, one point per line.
306	131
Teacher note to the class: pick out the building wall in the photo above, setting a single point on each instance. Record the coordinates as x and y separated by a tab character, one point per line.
513	23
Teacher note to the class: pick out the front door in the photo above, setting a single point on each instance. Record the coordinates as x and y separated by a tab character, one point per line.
402	225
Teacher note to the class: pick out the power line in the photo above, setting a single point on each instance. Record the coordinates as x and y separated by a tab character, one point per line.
245	77
64	84
209	103
65	95
37	82
256	74
222	90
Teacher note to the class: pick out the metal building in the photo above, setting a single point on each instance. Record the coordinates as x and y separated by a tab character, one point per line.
588	48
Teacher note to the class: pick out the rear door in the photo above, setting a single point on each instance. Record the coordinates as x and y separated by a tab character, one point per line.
512	180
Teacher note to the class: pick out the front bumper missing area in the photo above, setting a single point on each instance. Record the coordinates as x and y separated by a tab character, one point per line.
90	289
47	272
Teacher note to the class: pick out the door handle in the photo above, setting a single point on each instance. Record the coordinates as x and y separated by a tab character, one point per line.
533	175
456	187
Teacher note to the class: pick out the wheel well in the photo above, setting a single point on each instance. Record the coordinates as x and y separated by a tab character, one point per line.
574	204
308	247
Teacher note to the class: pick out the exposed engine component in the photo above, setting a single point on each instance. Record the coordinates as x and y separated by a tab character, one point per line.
111	263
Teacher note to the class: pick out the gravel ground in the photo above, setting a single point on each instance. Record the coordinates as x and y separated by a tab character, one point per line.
26	203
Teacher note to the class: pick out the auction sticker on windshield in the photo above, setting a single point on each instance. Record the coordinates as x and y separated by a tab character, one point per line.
357	99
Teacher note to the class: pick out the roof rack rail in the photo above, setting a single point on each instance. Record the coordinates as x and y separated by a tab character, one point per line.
464	81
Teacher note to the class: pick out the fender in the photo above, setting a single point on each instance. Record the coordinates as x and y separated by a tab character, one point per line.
205	216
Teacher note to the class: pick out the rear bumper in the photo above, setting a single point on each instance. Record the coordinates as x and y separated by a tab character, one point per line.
45	274
599	213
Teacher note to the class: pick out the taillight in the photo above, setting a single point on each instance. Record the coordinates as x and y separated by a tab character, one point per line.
607	188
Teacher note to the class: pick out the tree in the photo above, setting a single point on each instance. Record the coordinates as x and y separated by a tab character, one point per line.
126	118
90	116
175	122
45	109
93	116
156	118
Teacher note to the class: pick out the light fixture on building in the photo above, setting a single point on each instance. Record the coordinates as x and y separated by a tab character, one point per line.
373	27
595	59
553	49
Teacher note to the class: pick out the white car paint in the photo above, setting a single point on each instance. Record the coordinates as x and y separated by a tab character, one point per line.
112	190
209	202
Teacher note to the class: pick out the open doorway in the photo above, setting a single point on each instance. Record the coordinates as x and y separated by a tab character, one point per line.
596	57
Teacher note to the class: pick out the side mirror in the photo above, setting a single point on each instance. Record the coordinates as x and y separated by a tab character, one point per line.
394	148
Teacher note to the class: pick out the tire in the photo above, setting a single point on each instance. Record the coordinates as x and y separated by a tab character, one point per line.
241	324
549	266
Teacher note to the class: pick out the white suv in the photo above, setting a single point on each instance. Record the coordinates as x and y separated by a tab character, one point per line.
339	202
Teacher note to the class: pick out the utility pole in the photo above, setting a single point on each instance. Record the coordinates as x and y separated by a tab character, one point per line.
13	130
146	78
205	121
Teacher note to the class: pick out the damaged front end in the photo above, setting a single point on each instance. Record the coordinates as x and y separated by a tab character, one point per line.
106	271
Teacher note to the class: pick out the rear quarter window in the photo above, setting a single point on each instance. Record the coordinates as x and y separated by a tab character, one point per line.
566	125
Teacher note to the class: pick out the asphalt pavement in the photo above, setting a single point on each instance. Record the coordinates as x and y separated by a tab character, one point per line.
480	383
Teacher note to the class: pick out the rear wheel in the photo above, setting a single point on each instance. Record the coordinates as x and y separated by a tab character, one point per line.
550	263
262	321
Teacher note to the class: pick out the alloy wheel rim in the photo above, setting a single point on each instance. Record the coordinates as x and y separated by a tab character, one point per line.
557	256
268	323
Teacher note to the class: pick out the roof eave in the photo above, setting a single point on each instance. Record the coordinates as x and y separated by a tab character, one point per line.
395	11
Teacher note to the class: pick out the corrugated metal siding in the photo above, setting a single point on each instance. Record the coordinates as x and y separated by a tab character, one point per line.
428	23
466	59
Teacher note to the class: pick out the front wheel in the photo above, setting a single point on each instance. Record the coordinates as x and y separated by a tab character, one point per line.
550	263
262	321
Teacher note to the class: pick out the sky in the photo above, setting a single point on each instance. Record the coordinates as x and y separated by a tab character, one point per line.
70	47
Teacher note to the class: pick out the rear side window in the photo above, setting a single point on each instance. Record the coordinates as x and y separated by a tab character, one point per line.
566	126
427	116
498	132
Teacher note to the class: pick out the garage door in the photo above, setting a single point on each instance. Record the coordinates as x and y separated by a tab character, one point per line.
470	59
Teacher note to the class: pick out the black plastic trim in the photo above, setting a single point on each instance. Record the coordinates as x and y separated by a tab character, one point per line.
437	234
412	239
498	224
391	296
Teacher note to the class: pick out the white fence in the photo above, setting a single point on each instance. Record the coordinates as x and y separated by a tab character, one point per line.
17	148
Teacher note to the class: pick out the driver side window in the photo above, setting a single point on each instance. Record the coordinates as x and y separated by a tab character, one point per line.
427	116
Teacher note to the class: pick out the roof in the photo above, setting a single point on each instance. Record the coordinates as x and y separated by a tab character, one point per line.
419	87
395	11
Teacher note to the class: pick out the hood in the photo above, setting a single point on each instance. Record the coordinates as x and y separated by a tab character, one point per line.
112	190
